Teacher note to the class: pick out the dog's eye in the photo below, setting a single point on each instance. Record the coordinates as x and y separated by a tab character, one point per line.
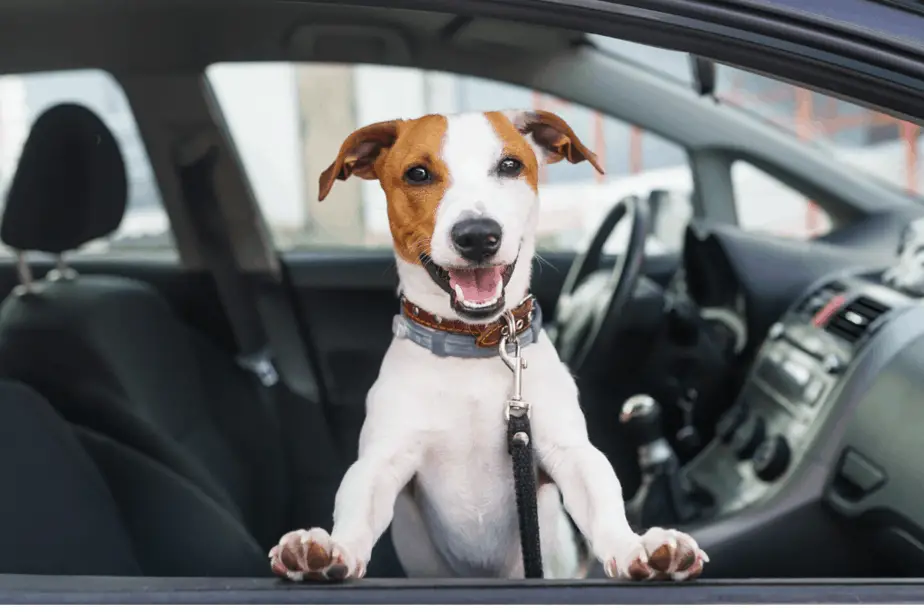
418	175
509	167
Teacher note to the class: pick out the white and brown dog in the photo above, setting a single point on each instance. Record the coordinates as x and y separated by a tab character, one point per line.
462	194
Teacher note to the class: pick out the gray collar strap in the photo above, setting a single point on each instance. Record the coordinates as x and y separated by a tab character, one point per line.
451	344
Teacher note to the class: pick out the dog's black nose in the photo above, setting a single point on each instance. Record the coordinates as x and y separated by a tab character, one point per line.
476	239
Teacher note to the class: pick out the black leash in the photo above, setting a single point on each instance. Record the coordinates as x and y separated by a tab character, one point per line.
519	445
524	483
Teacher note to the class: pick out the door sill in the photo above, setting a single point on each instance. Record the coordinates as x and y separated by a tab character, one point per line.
110	590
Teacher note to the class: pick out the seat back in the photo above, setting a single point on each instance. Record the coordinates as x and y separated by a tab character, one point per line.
57	516
109	352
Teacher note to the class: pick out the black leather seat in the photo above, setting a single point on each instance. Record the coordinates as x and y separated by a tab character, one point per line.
194	461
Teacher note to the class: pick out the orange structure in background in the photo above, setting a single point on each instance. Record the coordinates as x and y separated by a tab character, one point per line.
808	125
804	114
910	135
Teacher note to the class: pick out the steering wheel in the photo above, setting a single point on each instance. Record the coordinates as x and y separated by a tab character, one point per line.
589	304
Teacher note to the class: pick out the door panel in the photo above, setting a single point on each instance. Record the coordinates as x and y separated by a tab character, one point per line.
348	301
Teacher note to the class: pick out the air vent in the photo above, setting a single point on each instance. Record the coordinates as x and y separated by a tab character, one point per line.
853	321
819	298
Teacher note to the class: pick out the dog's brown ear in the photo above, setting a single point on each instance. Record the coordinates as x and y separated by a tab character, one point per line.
358	154
555	137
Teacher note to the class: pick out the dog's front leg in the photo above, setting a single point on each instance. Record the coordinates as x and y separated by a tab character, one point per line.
593	497
592	494
365	502
389	457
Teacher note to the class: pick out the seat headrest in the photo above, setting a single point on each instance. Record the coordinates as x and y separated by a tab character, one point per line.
70	186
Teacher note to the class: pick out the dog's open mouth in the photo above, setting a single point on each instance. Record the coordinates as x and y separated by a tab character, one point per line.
474	292
477	288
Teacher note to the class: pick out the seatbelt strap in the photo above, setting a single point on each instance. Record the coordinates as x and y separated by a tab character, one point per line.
262	320
254	353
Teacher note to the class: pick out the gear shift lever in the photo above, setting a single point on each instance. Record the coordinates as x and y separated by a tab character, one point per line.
661	498
642	415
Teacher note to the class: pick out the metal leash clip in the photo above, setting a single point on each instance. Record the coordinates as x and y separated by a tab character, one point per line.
515	406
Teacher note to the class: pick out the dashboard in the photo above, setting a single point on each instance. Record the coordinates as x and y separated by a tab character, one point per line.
830	417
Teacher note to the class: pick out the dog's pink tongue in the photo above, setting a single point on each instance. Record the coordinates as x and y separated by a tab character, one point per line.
476	284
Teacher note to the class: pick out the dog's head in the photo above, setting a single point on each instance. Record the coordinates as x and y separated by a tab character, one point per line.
462	194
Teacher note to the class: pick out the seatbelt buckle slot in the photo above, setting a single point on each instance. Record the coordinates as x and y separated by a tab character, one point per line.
260	365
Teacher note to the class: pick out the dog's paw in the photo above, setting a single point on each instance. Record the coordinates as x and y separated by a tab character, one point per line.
313	555
660	554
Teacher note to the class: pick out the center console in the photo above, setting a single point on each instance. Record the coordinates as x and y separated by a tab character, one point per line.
770	442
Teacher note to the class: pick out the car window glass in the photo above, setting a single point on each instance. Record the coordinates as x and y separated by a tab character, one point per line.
870	143
145	229
288	121
766	204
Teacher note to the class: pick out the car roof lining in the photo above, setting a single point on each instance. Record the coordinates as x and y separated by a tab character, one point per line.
147	36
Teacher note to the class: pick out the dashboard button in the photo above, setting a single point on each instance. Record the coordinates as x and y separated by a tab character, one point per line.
832	365
860	472
798	373
748	437
772	458
813	391
776	331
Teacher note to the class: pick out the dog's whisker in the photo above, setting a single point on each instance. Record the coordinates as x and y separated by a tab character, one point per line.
543	260
422	245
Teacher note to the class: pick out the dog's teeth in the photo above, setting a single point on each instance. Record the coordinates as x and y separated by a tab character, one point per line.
459	295
499	291
477	305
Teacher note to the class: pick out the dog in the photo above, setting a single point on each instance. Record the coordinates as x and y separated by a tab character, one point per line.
462	198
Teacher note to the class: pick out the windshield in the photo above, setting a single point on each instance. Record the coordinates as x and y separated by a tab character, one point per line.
878	145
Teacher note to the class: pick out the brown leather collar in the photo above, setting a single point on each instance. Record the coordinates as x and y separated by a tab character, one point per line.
487	335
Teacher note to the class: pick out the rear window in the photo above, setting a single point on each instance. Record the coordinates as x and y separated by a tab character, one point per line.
23	97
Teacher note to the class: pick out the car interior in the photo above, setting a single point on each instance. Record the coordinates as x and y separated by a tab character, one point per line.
170	412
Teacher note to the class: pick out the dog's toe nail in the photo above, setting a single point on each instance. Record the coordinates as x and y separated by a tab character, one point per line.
660	559
687	561
695	571
278	568
337	572
638	570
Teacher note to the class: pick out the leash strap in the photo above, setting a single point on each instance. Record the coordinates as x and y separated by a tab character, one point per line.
519	445
524	483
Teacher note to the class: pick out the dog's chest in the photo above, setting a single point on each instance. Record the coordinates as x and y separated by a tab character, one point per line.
464	487
467	463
